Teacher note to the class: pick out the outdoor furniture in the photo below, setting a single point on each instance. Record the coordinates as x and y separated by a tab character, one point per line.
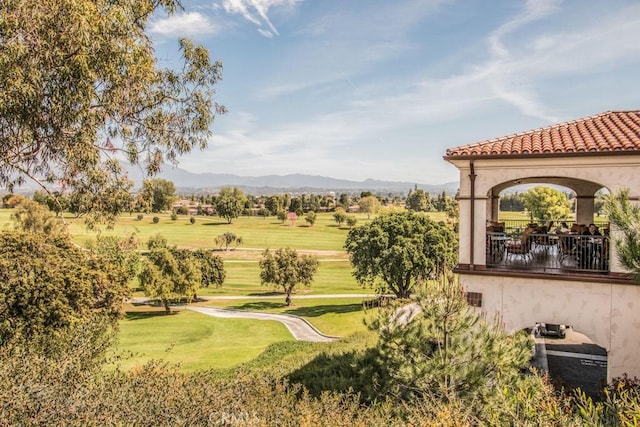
515	249
496	243
568	247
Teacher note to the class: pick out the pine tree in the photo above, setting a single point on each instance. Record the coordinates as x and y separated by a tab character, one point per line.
626	218
439	348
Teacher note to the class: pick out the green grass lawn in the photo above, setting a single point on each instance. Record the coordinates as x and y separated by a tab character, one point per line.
198	341
332	316
194	340
243	278
256	232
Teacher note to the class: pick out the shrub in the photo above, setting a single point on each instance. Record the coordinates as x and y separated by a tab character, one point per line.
139	217
174	217
192	220
156	220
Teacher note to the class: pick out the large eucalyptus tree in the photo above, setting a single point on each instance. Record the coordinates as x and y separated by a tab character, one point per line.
81	88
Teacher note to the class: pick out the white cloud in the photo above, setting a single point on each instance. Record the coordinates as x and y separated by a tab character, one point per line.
514	73
526	56
256	12
191	23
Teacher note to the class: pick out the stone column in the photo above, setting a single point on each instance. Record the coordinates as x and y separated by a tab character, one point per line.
584	208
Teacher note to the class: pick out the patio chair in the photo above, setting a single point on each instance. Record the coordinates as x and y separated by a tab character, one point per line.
519	248
569	248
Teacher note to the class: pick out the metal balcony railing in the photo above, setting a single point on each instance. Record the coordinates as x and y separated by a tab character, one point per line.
548	252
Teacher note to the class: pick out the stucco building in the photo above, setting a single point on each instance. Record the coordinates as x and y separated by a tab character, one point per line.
541	283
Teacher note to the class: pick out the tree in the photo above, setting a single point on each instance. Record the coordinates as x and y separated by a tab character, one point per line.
546	203
56	201
296	205
625	216
76	94
211	268
351	221
48	284
287	269
118	259
230	203
398	250
170	273
274	204
121	253
369	205
340	216
282	215
512	202
310	217
32	217
439	349
344	201
417	200
159	194
227	239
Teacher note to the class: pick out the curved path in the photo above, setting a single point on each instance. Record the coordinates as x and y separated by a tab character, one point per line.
299	327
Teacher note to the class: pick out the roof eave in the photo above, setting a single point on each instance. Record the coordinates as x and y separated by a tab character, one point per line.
450	158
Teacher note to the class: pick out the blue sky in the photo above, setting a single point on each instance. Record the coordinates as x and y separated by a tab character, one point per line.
358	89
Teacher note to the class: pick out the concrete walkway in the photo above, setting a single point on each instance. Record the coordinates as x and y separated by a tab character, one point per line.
299	327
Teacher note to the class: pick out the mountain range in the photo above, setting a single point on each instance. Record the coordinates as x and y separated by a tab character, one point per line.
186	181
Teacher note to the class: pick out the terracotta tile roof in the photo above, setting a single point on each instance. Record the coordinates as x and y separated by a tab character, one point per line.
613	131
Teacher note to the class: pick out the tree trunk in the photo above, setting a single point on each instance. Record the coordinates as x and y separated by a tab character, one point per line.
167	309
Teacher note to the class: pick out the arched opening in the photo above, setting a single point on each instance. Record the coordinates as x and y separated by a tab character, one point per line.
573	360
584	194
544	223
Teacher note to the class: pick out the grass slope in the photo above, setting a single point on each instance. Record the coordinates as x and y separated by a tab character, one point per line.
194	340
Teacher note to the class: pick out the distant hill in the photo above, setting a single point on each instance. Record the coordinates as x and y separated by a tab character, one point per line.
186	181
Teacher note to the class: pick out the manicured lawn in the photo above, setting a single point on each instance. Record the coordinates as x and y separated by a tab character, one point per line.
332	316
198	341
243	278
256	232
194	340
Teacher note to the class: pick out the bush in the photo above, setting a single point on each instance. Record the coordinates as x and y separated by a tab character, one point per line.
174	217
139	217
192	220
156	220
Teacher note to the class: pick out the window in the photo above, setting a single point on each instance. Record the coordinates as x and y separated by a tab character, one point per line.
474	299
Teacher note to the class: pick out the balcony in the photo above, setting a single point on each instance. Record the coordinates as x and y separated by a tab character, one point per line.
548	252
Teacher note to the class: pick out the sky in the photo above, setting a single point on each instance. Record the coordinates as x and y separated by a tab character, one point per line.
358	89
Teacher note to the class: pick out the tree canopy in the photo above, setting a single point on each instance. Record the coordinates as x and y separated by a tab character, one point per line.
287	269
369	205
167	275
159	194
400	249
48	284
439	349
223	241
418	200
625	216
546	203
80	89
230	203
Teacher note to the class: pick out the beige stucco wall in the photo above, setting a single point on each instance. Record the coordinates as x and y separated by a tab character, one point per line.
609	314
